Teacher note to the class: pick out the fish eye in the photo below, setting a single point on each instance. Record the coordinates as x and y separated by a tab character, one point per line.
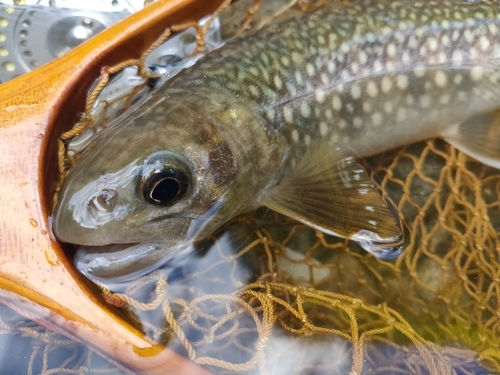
166	187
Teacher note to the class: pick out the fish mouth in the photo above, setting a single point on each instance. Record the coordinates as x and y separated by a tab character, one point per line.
123	262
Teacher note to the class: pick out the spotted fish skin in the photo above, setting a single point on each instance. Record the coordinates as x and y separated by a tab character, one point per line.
371	74
276	118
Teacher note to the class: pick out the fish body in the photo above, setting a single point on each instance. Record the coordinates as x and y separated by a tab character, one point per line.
277	118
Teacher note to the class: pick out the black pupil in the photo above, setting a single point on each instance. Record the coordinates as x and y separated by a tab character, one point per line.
166	190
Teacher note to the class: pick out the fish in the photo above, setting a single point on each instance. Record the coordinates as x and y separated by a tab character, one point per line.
282	118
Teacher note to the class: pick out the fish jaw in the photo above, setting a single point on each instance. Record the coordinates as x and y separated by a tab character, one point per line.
127	261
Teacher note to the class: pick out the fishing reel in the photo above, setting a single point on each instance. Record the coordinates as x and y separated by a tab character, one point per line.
35	32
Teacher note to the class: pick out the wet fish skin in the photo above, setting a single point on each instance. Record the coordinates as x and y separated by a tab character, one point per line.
269	119
364	73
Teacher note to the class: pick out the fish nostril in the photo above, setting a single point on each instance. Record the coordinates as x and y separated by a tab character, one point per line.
107	199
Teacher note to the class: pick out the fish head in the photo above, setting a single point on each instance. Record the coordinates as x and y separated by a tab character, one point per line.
168	176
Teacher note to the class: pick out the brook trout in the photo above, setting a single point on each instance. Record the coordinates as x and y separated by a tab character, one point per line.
278	118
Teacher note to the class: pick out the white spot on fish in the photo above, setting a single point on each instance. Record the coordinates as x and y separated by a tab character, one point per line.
295	135
373	222
328	114
253	70
440	78
355	91
307	139
402	82
391	50
413	42
457	57
441	58
363	58
320	96
292	90
445	40
457	80
405	57
254	90
324	79
377	66
423	51
371	89
310	69
476	73
342	124
386	85
432	43
469	36
330	65
285	61
305	109
345	47
288	114
419	71
493	28
298	77
370	208
336	103
278	82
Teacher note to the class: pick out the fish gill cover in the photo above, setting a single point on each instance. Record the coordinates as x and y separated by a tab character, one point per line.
270	296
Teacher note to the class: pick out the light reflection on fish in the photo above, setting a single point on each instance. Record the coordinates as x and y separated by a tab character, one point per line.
271	119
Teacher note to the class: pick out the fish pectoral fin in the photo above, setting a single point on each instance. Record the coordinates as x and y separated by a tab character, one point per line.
478	137
330	191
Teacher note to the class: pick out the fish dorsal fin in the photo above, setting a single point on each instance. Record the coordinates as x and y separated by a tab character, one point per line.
330	191
478	137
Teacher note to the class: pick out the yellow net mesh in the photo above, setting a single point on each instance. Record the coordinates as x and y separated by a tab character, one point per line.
284	298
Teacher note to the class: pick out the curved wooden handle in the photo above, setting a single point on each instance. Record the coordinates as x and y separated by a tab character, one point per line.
35	109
